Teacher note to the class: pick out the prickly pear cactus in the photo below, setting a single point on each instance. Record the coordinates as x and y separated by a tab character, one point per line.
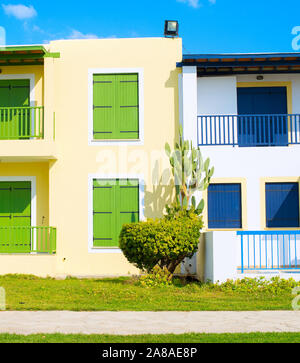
191	173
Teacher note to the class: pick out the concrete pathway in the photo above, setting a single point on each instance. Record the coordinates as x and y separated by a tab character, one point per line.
127	323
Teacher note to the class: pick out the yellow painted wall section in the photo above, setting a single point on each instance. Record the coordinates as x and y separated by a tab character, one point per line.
30	264
76	159
30	150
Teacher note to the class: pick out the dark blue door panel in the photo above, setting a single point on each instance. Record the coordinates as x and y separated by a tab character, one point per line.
224	206
262	117
282	205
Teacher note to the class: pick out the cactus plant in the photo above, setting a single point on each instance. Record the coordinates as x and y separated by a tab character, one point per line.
191	173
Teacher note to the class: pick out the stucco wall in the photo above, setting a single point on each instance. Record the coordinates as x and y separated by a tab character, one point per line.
255	165
76	159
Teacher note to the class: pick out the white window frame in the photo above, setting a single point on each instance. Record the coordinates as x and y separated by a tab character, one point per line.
91	73
91	178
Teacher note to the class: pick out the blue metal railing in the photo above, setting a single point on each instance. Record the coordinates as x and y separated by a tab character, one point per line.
249	130
269	250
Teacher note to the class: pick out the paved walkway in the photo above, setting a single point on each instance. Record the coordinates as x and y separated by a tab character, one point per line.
126	323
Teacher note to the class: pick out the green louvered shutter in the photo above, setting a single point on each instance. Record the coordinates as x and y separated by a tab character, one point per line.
4	93
5	205
104	106
128	202
21	215
20	91
127	106
14	123
15	211
21	203
115	202
104	212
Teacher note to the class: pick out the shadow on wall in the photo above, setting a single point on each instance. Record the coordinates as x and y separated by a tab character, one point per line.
172	82
162	193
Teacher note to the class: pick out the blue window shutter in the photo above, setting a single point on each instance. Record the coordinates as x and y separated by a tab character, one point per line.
262	100
224	206
282	205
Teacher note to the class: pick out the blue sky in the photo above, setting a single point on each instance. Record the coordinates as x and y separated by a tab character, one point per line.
206	26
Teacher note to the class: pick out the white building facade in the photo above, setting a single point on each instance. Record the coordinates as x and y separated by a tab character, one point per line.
243	110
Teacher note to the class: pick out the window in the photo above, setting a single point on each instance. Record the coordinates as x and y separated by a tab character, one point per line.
116	106
282	205
224	206
115	202
262	116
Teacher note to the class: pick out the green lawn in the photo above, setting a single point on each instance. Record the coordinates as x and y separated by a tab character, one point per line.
123	294
169	338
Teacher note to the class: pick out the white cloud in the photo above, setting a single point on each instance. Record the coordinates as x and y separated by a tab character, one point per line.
76	34
20	11
193	3
212	1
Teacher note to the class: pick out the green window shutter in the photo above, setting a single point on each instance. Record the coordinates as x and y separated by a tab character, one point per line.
21	215
127	106
20	93
21	203
104	213
15	211
115	202
104	106
5	94
128	202
14	123
5	205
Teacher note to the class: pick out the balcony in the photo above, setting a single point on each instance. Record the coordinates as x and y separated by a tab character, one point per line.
269	250
249	130
28	240
21	123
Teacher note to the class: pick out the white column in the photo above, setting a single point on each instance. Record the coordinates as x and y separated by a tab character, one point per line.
188	93
221	258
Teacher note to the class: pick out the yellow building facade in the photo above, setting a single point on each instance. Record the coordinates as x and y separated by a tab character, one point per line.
66	136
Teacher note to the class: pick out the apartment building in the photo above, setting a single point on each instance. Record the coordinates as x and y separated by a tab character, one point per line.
243	110
83	124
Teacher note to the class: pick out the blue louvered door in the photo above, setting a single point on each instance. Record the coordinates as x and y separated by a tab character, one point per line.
262	119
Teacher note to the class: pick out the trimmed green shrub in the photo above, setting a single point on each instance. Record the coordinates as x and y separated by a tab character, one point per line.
164	242
158	277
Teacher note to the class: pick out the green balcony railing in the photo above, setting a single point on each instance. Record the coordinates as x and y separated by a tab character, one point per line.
21	123
28	240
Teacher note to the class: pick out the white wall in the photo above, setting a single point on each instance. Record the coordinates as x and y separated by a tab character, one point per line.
221	259
188	106
252	164
216	96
